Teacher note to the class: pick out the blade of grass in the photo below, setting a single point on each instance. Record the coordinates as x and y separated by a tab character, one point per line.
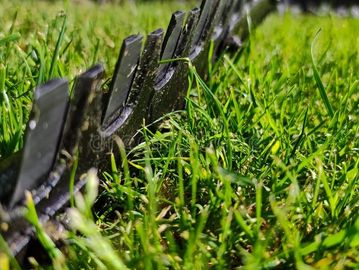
57	48
318	80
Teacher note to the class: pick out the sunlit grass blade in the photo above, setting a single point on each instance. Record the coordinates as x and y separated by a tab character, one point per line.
318	80
57	48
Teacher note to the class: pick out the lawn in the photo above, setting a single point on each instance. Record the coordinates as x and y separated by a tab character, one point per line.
259	171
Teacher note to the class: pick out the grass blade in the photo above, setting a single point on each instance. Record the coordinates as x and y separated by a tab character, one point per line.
57	48
319	82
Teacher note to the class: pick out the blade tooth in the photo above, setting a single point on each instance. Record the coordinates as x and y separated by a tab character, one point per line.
169	93
218	21
170	43
122	79
92	146
142	90
230	12
147	68
84	91
42	137
206	7
214	14
187	34
239	5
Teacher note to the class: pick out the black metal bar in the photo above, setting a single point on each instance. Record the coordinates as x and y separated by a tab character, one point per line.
136	110
170	43
187	34
204	18
43	135
170	90
123	76
218	20
84	92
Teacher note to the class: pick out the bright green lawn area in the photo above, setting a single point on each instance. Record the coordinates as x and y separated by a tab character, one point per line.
259	171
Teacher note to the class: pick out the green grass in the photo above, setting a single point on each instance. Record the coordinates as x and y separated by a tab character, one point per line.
259	171
41	40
